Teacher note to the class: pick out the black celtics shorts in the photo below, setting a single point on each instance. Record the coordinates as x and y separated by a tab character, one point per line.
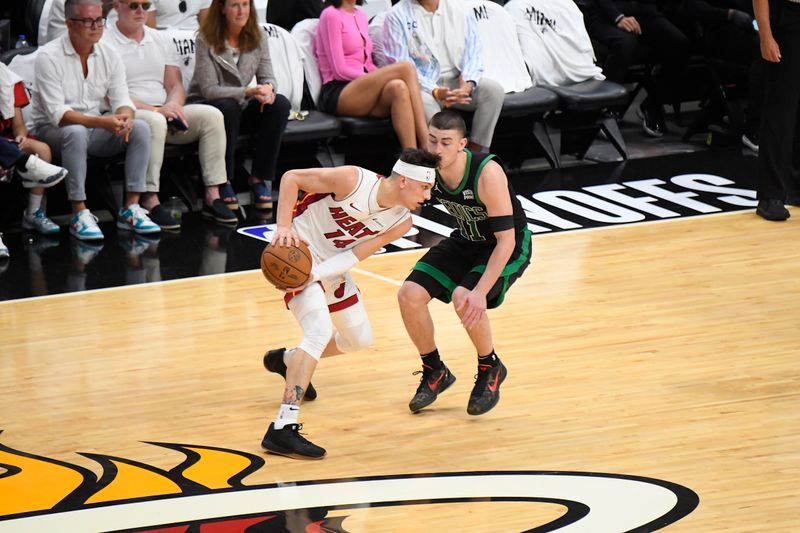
455	262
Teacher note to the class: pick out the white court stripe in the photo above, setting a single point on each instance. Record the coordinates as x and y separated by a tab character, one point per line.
377	276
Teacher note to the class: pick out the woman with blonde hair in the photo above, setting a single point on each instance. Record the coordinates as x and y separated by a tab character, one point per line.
230	50
353	86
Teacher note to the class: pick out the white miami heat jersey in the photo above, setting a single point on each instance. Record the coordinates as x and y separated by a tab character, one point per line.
331	226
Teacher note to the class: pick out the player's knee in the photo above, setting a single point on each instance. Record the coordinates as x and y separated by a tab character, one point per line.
412	296
316	336
354	339
458	296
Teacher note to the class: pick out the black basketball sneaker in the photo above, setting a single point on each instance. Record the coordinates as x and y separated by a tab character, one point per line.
486	392
273	361
290	443
431	384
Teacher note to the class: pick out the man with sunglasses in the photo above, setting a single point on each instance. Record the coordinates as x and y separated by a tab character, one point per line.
152	69
75	75
184	14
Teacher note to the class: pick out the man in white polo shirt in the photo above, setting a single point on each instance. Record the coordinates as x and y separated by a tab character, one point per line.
75	75
154	81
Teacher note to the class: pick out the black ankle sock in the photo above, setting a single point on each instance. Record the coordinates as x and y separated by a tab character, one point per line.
490	359
21	162
432	359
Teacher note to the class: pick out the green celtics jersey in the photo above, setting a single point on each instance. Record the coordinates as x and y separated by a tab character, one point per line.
464	204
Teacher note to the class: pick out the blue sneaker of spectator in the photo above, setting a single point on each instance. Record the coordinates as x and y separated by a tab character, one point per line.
38	221
84	226
134	218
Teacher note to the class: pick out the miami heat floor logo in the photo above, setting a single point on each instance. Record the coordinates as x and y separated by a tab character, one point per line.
205	494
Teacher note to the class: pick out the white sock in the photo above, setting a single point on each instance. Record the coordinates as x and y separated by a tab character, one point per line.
287	414
287	354
34	202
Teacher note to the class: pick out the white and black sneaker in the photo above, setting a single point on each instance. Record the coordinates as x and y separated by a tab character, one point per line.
652	117
38	173
290	443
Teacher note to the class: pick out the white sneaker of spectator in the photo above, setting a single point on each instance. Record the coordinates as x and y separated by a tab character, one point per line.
134	218
3	249
84	226
38	221
38	173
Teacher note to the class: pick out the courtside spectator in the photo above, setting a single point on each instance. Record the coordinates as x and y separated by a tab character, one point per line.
230	50
154	80
354	86
75	75
29	156
618	28
728	35
440	39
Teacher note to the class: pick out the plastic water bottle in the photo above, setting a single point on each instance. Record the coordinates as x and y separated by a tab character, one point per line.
22	42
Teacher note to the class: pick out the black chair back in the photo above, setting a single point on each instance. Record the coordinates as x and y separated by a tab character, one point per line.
8	55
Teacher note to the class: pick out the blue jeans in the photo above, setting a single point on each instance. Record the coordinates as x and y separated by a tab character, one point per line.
9	153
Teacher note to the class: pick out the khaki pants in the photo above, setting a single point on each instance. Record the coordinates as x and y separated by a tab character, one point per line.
206	125
487	100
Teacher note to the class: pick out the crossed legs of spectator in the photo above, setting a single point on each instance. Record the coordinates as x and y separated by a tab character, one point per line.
487	101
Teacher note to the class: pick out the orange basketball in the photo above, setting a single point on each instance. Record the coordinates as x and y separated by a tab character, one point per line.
286	267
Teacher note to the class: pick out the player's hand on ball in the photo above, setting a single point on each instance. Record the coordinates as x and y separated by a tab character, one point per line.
285	236
287	266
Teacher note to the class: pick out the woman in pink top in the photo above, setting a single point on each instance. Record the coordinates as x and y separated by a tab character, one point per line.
352	84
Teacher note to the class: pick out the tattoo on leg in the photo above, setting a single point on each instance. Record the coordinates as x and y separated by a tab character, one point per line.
293	396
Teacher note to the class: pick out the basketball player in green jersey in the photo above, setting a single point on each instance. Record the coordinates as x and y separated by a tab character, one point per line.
473	267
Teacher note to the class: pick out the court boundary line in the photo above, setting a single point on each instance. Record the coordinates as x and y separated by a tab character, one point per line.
367	273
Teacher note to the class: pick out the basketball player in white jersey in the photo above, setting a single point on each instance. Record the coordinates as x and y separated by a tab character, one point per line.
346	215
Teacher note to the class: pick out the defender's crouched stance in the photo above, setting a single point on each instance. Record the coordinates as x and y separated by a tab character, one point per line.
473	267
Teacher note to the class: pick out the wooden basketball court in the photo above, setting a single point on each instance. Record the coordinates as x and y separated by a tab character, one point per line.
668	351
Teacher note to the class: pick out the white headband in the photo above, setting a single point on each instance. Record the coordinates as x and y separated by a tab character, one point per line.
415	172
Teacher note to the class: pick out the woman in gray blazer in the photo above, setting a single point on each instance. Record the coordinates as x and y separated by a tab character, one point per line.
230	50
